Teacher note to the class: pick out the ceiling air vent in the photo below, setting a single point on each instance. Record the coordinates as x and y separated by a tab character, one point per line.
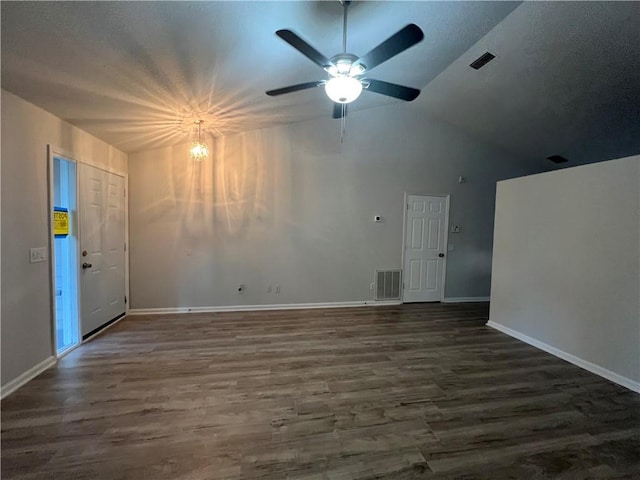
482	60
557	159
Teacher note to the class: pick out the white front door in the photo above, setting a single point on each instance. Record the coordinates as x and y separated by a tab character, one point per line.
425	249
102	247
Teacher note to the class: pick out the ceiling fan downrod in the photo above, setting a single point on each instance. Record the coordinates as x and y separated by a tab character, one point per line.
345	4
343	106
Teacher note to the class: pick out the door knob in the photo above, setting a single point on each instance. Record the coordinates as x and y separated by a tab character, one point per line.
86	265
441	255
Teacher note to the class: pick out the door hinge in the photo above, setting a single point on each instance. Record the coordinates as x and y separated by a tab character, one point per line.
125	299
125	246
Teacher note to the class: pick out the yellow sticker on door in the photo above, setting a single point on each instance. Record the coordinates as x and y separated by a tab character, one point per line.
60	222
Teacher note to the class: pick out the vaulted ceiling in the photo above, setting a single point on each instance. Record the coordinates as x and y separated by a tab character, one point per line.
136	74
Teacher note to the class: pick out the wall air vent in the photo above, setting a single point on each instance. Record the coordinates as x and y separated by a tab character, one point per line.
387	285
557	159
482	60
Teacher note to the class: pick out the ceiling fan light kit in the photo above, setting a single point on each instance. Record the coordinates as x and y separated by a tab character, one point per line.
345	70
345	64
343	89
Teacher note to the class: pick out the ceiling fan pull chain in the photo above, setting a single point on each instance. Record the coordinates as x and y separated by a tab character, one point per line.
343	122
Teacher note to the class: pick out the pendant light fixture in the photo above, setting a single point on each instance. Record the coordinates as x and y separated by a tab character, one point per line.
199	150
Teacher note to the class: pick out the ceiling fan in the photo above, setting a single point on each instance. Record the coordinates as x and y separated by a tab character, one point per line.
346	71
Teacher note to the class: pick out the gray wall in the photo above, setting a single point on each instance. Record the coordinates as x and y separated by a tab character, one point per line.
26	317
292	206
566	267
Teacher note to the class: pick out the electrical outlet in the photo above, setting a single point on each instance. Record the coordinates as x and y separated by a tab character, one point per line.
38	254
278	288
455	229
241	288
371	286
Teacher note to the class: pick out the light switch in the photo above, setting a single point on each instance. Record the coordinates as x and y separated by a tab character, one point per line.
38	254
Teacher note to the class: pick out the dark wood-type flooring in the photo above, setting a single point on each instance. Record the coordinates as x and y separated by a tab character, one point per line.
407	392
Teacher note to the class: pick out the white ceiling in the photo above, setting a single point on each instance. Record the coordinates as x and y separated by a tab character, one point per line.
135	74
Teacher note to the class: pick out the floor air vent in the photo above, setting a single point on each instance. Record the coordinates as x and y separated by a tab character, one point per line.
387	285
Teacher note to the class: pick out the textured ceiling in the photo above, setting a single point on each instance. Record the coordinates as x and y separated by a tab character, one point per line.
565	80
135	74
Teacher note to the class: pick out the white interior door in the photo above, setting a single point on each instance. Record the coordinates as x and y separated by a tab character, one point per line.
102	247
425	249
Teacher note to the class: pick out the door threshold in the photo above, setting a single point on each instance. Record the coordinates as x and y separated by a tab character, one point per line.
96	331
67	350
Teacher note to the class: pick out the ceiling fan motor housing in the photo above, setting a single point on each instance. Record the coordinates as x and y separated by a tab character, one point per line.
345	64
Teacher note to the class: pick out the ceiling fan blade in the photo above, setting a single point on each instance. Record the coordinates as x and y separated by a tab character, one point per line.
392	90
303	47
396	43
294	88
339	110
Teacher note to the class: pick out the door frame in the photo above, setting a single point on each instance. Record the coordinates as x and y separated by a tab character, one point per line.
447	200
52	152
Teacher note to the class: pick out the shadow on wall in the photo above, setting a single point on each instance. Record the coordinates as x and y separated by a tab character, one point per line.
85	148
224	196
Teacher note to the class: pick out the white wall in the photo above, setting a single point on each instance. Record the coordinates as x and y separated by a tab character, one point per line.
566	265
290	205
26	316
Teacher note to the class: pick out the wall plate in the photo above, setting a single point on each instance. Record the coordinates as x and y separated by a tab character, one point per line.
37	254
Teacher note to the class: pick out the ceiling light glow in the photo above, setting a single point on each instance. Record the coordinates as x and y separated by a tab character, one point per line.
343	66
199	150
356	70
343	89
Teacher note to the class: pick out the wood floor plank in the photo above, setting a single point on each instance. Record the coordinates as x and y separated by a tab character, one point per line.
418	391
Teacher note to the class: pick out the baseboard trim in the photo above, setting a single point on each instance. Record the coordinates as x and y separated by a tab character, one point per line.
592	367
26	377
252	308
466	299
